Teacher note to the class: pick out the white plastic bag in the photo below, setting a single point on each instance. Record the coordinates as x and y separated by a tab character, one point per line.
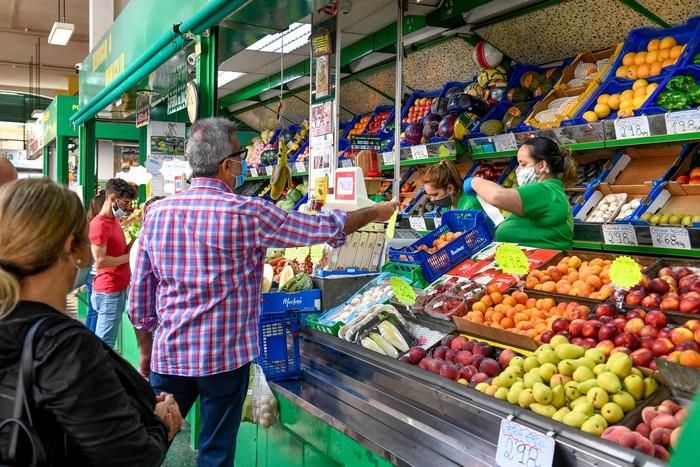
260	406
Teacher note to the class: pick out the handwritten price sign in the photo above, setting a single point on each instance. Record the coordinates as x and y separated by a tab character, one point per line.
619	234
634	127
682	122
520	446
419	152
670	237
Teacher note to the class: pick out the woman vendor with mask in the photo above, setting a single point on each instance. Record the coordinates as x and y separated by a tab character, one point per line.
540	212
443	187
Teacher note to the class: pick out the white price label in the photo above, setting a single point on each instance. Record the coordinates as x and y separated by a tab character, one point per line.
388	158
687	121
419	152
253	172
505	142
438	222
417	223
345	163
633	127
268	170
670	237
520	446
300	167
619	234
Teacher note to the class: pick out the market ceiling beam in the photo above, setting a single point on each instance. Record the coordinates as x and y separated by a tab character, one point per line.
374	42
644	11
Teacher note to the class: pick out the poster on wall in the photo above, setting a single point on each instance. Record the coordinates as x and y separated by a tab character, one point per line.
321	143
322	119
166	157
166	139
323	76
143	110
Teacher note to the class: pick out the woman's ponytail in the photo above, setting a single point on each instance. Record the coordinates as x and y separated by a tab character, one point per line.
9	292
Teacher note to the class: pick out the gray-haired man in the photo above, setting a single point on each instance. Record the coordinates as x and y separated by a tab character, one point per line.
195	296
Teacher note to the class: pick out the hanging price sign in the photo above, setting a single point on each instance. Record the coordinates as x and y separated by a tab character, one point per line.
619	234
687	121
419	152
670	237
268	170
253	172
520	446
300	167
417	223
388	158
625	272
505	142
633	127
391	225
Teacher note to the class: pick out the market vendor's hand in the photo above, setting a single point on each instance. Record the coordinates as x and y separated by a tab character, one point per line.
385	210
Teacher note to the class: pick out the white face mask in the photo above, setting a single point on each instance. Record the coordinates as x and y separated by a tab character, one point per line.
118	212
526	175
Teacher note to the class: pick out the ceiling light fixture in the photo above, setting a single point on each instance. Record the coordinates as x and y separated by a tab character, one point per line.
36	113
292	38
225	77
61	31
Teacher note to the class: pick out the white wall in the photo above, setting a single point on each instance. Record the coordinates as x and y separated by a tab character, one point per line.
105	160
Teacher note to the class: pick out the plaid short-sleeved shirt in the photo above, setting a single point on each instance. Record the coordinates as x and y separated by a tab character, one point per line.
197	279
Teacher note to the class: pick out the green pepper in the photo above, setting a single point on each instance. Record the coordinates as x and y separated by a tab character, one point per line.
694	93
696	59
673	100
680	83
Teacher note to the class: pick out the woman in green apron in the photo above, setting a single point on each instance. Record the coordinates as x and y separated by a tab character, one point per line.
540	212
443	187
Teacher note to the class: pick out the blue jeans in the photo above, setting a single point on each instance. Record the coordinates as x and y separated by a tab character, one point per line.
91	319
221	398
109	308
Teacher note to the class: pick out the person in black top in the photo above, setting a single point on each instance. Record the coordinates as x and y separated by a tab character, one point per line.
90	406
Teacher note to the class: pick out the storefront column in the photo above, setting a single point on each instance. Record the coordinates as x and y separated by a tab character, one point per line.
207	73
143	154
45	154
86	134
62	160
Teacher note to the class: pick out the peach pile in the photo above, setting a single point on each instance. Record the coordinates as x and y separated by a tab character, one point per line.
572	276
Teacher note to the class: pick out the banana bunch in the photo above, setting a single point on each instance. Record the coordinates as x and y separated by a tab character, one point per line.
281	175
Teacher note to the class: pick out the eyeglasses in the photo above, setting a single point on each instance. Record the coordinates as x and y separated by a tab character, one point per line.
243	153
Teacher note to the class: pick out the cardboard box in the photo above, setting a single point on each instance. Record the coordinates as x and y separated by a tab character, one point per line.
640	192
581	94
493	334
676	199
588	57
645	164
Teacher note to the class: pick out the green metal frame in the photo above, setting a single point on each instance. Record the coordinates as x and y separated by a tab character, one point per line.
207	73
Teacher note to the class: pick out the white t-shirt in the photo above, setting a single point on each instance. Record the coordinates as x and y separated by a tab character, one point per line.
132	254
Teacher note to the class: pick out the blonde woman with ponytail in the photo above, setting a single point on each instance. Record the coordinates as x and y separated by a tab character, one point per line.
540	212
90	407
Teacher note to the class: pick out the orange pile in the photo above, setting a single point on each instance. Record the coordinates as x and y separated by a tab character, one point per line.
521	314
648	63
572	276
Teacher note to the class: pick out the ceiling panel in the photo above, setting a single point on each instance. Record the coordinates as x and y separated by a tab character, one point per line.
247	61
381	14
244	81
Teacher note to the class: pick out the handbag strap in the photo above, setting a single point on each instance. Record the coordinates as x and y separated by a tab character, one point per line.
24	400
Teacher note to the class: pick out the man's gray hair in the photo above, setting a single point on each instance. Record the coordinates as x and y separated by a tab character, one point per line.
209	143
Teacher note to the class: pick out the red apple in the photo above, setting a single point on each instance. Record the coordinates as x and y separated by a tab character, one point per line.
504	358
648	331
634	325
662	346
606	346
482	349
440	352
620	349
671	281
467	372
688	345
588	342
692	324
447	340
605	319
450	355
652	300
546	337
458	343
689	304
450	371
652	365
642	357
607	331
425	363
680	335
627	339
658	286
560	324
590	328
604	310
684	179
619	323
646	342
463	357
477	359
635	297
435	365
576	327
635	313
656	319
665	332
479	378
416	354
667	272
576	340
681	271
670	303
566	334
490	367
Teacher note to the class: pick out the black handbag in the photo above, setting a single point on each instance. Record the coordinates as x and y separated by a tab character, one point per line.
21	422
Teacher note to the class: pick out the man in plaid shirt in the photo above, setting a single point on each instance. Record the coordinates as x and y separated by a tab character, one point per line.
195	296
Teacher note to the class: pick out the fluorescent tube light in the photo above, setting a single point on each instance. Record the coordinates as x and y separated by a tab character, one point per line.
294	37
36	113
226	77
60	33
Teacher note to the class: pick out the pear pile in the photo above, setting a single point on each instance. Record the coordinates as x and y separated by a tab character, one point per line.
578	387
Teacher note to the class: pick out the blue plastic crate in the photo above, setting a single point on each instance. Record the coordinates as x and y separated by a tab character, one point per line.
377	110
304	300
352	124
412	98
638	39
693	71
278	336
476	234
615	87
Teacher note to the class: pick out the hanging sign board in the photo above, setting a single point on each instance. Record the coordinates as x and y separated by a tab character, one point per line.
322	42
143	110
177	99
365	142
323	76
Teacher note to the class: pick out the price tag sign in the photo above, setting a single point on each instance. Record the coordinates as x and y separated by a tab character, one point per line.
670	237
316	252
391	225
520	446
511	259
419	152
388	158
633	127
253	172
619	234
403	291
268	170
505	142
417	223
438	222
625	272
687	121
300	167
346	163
